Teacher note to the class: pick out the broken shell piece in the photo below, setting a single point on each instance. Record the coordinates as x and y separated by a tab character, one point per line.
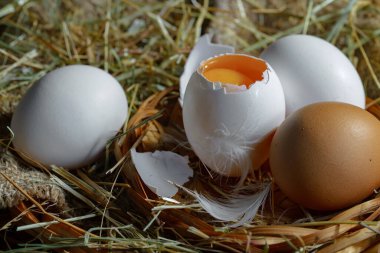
160	169
232	105
203	50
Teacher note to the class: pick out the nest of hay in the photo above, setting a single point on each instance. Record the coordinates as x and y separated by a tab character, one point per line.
144	44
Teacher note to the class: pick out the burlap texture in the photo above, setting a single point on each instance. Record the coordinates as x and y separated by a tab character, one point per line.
37	184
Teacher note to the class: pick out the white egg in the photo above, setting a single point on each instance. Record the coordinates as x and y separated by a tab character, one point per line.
312	70
67	117
230	126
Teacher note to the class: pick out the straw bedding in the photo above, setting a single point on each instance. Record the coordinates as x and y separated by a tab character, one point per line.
144	44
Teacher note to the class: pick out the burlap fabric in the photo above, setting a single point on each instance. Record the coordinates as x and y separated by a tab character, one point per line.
35	183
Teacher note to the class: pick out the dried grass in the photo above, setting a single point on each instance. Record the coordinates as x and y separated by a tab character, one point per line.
144	44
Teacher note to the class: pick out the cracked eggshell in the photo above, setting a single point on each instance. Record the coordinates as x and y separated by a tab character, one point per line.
312	70
230	127
68	116
203	50
161	170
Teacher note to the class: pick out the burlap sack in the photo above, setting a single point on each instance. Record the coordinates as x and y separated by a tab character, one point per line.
35	183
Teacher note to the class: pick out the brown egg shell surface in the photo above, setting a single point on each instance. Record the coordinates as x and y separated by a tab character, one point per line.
326	156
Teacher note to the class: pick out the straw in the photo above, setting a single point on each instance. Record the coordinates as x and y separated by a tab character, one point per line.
144	45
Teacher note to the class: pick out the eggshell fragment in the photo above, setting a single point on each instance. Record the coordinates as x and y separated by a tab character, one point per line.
312	70
68	116
230	126
203	50
326	156
160	169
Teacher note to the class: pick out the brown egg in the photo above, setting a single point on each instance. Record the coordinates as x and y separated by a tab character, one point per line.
326	156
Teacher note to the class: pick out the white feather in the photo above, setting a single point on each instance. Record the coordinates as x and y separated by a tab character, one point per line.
236	208
224	143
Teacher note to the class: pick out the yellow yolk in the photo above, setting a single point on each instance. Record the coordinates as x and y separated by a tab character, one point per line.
227	76
234	69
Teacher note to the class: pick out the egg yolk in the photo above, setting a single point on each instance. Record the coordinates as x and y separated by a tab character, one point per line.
227	76
234	69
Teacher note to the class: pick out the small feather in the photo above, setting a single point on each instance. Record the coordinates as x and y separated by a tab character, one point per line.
236	208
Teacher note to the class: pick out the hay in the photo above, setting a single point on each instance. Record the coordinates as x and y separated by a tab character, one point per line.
144	44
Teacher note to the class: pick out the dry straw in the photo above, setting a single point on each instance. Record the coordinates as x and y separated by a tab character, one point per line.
144	44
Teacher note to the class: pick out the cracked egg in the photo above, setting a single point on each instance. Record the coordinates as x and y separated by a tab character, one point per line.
232	105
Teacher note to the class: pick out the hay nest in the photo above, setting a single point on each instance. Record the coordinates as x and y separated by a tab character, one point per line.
144	44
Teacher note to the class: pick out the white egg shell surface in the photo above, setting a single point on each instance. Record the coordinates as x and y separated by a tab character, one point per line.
312	70
202	50
227	125
67	117
161	171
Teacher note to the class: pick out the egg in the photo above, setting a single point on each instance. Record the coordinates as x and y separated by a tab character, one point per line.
202	50
326	156
67	117
312	70
231	107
